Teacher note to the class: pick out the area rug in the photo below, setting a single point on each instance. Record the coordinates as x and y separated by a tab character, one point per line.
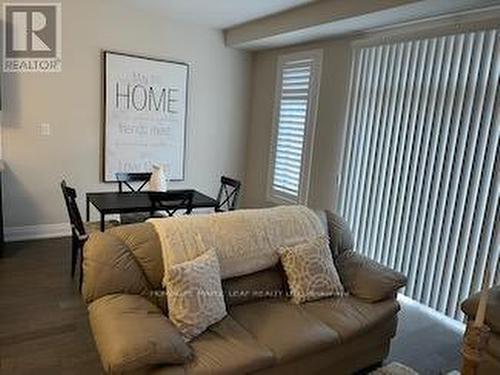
394	368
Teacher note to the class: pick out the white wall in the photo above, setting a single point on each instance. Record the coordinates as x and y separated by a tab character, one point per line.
330	126
327	149
71	102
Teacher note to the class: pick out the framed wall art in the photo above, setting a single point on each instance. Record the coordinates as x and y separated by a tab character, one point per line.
145	115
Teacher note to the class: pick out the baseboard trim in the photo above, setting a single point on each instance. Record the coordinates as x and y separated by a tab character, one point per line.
36	232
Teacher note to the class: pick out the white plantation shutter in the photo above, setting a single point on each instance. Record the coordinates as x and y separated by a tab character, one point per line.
421	174
295	115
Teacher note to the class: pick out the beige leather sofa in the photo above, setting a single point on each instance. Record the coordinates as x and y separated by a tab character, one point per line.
263	332
490	363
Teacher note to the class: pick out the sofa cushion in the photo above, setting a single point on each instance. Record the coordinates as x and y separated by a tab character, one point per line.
269	283
349	316
110	267
143	242
310	271
131	333
341	238
285	328
225	348
194	293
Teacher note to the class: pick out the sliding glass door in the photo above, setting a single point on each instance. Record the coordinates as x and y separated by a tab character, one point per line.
420	184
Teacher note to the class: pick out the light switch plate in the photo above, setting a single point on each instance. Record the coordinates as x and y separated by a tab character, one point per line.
45	129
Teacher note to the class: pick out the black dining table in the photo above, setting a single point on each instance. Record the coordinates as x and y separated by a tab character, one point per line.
108	203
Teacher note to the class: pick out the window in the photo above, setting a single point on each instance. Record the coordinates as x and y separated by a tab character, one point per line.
293	131
421	178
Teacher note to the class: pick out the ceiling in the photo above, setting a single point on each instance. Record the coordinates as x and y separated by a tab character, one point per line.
324	19
219	14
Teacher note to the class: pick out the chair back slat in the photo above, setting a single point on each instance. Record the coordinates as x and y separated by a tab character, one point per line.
172	201
77	227
227	198
128	178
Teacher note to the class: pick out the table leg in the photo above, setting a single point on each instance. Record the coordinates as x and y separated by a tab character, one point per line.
102	222
88	209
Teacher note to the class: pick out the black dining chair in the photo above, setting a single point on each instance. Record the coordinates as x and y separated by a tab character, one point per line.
127	180
170	202
227	199
79	229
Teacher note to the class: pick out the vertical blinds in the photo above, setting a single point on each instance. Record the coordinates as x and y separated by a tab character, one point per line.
292	117
421	169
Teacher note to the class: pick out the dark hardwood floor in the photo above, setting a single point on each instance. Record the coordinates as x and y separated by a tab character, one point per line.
44	327
43	321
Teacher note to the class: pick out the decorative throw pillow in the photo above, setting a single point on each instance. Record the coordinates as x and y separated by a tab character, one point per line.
194	294
310	271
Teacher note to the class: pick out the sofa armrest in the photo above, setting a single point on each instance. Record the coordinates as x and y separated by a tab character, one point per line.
131	333
367	279
470	305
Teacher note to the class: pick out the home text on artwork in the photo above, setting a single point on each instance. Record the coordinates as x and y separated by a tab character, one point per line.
146	98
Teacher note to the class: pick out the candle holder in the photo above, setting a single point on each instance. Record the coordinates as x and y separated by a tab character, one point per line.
475	340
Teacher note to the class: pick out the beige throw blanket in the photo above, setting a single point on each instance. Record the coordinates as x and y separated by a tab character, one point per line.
246	241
